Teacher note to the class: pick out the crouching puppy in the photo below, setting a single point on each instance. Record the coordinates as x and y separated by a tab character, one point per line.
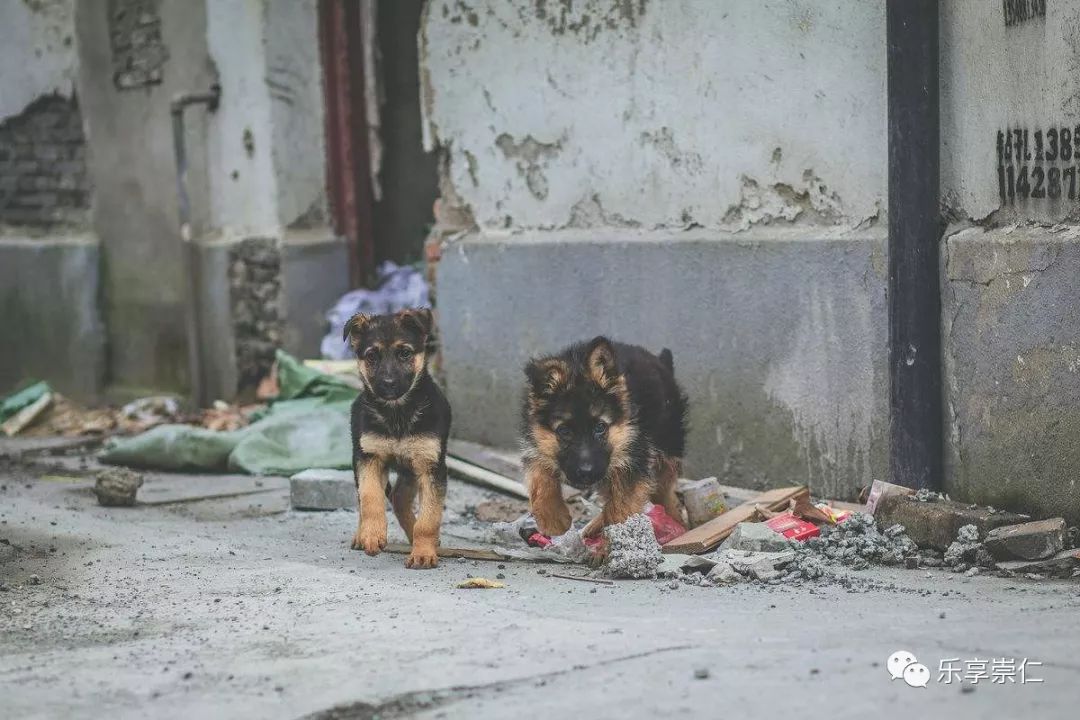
602	416
400	420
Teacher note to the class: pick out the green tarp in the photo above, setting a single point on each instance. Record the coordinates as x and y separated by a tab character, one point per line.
306	427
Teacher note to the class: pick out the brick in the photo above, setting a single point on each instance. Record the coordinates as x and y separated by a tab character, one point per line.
320	489
935	524
1027	541
1061	564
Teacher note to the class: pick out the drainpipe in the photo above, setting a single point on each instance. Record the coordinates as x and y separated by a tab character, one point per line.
189	260
915	404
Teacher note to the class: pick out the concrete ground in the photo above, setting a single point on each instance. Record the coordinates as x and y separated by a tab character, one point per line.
238	607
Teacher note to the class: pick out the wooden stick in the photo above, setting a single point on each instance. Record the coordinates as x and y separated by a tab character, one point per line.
481	476
582	578
20	420
448	552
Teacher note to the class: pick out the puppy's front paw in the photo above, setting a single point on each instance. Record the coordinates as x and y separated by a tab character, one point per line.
422	557
552	521
371	541
598	555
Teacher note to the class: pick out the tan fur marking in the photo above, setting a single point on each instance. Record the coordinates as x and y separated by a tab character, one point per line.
402	499
371	523
626	497
620	435
420	452
545	499
546	441
425	540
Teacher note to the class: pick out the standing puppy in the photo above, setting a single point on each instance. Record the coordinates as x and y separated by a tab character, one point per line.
401	420
606	416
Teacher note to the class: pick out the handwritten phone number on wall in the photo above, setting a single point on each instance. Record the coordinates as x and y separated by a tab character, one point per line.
1027	163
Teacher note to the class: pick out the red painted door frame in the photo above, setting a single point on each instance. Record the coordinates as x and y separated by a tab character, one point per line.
348	163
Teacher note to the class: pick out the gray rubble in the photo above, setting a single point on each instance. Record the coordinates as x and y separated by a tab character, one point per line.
632	549
117	487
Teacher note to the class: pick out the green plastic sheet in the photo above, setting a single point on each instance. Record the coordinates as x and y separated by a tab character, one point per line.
306	427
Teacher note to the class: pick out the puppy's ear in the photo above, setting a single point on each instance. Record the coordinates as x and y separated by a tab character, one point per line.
547	375
600	359
353	328
419	318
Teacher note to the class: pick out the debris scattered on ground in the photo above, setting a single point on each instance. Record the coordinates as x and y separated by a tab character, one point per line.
117	487
322	489
756	537
632	549
763	566
500	510
27	415
856	542
701	673
936	524
928	495
881	489
706	537
480	583
1027	541
458	553
582	578
963	552
792	528
1063	565
703	500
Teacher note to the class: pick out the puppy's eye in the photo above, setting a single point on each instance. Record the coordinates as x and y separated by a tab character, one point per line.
564	432
600	428
371	355
404	354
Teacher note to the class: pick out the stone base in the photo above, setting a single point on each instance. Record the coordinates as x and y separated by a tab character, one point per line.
1011	344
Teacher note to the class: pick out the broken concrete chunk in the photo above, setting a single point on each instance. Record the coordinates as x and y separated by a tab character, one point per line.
632	549
758	565
722	572
321	489
1027	541
1061	564
961	552
755	537
117	487
936	524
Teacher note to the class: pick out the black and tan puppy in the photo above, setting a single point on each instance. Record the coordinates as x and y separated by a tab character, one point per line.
606	416
401	420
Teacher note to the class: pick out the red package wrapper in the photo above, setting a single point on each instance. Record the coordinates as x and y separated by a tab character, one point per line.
793	528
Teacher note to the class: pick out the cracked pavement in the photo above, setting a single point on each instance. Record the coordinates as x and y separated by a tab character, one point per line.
237	607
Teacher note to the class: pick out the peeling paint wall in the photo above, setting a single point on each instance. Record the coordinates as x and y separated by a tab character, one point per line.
712	113
37	52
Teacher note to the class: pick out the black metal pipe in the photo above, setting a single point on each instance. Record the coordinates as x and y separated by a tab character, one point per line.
915	407
189	260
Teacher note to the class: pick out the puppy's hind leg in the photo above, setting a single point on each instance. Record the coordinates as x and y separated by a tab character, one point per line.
667	477
402	499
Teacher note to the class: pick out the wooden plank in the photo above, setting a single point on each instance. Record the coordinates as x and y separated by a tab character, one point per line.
503	463
448	552
482	476
705	537
20	420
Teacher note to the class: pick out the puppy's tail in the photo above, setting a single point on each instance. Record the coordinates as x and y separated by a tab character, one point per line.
667	360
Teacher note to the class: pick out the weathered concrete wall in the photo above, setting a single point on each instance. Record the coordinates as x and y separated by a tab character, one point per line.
132	171
50	325
1010	119
709	176
713	113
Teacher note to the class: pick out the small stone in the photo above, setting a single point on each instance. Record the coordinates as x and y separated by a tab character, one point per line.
701	673
972	572
673	585
322	489
941	615
117	487
1027	541
911	562
35	580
